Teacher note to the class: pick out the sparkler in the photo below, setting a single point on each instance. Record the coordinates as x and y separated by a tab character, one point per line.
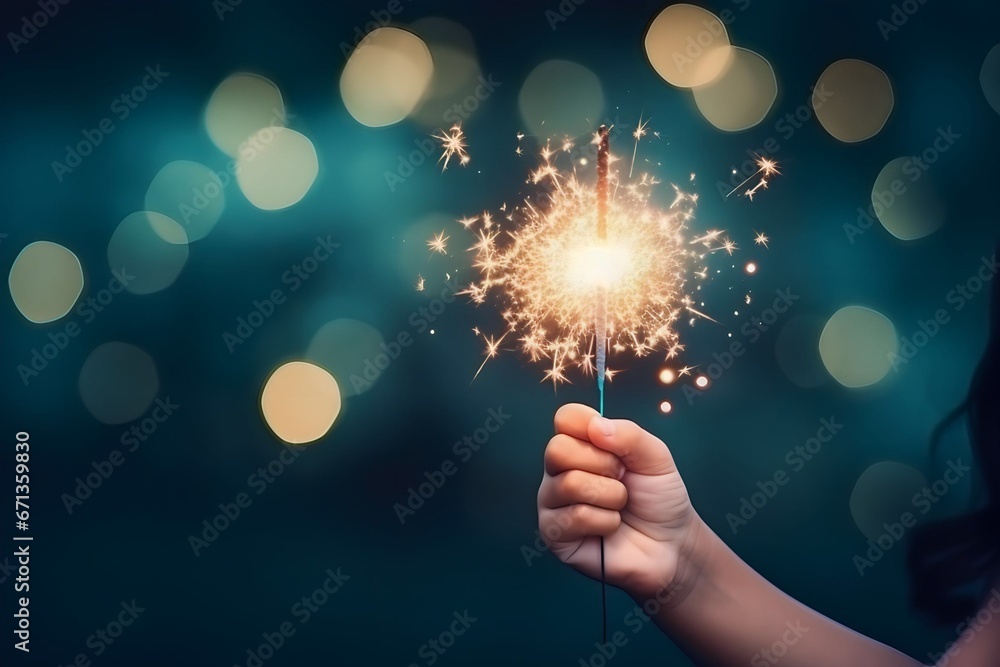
766	168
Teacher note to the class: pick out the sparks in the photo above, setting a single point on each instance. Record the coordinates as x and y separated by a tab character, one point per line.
420	283
439	243
545	261
760	239
765	169
640	132
453	144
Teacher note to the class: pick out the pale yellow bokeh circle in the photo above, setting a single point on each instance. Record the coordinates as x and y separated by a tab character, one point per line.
277	168
688	46
882	495
386	77
742	96
857	346
300	402
239	106
45	281
560	98
853	100
906	201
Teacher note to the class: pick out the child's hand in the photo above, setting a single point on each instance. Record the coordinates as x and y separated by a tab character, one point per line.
611	478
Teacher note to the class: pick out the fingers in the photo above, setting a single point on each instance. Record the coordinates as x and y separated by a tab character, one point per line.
564	452
640	451
567	524
572	419
578	487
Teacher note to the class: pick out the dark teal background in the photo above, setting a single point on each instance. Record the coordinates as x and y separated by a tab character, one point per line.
334	506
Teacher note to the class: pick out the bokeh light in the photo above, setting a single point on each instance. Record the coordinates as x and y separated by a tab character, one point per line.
989	78
150	248
857	346
751	268
906	200
742	96
300	402
386	77
277	169
797	351
853	100
688	46
45	281
561	98
190	193
454	93
882	494
353	352
701	382
118	382
239	106
668	376
666	408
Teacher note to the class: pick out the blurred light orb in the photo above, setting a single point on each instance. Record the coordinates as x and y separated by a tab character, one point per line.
300	402
797	351
190	193
386	77
666	408
455	92
857	346
989	78
45	281
853	100
242	104
701	382
688	46
354	351
150	248
560	98
905	199
277	168
742	96
751	268
118	382
882	495
668	376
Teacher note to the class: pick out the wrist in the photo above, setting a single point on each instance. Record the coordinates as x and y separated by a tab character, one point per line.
694	555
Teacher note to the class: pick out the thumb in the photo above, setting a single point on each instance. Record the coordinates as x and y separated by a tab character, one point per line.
640	451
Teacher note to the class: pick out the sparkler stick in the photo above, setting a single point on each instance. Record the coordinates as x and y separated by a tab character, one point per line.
601	333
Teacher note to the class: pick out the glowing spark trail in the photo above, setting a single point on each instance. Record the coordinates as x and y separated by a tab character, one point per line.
640	132
439	243
453	143
765	169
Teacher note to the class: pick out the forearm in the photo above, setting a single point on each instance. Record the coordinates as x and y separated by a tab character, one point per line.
722	613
